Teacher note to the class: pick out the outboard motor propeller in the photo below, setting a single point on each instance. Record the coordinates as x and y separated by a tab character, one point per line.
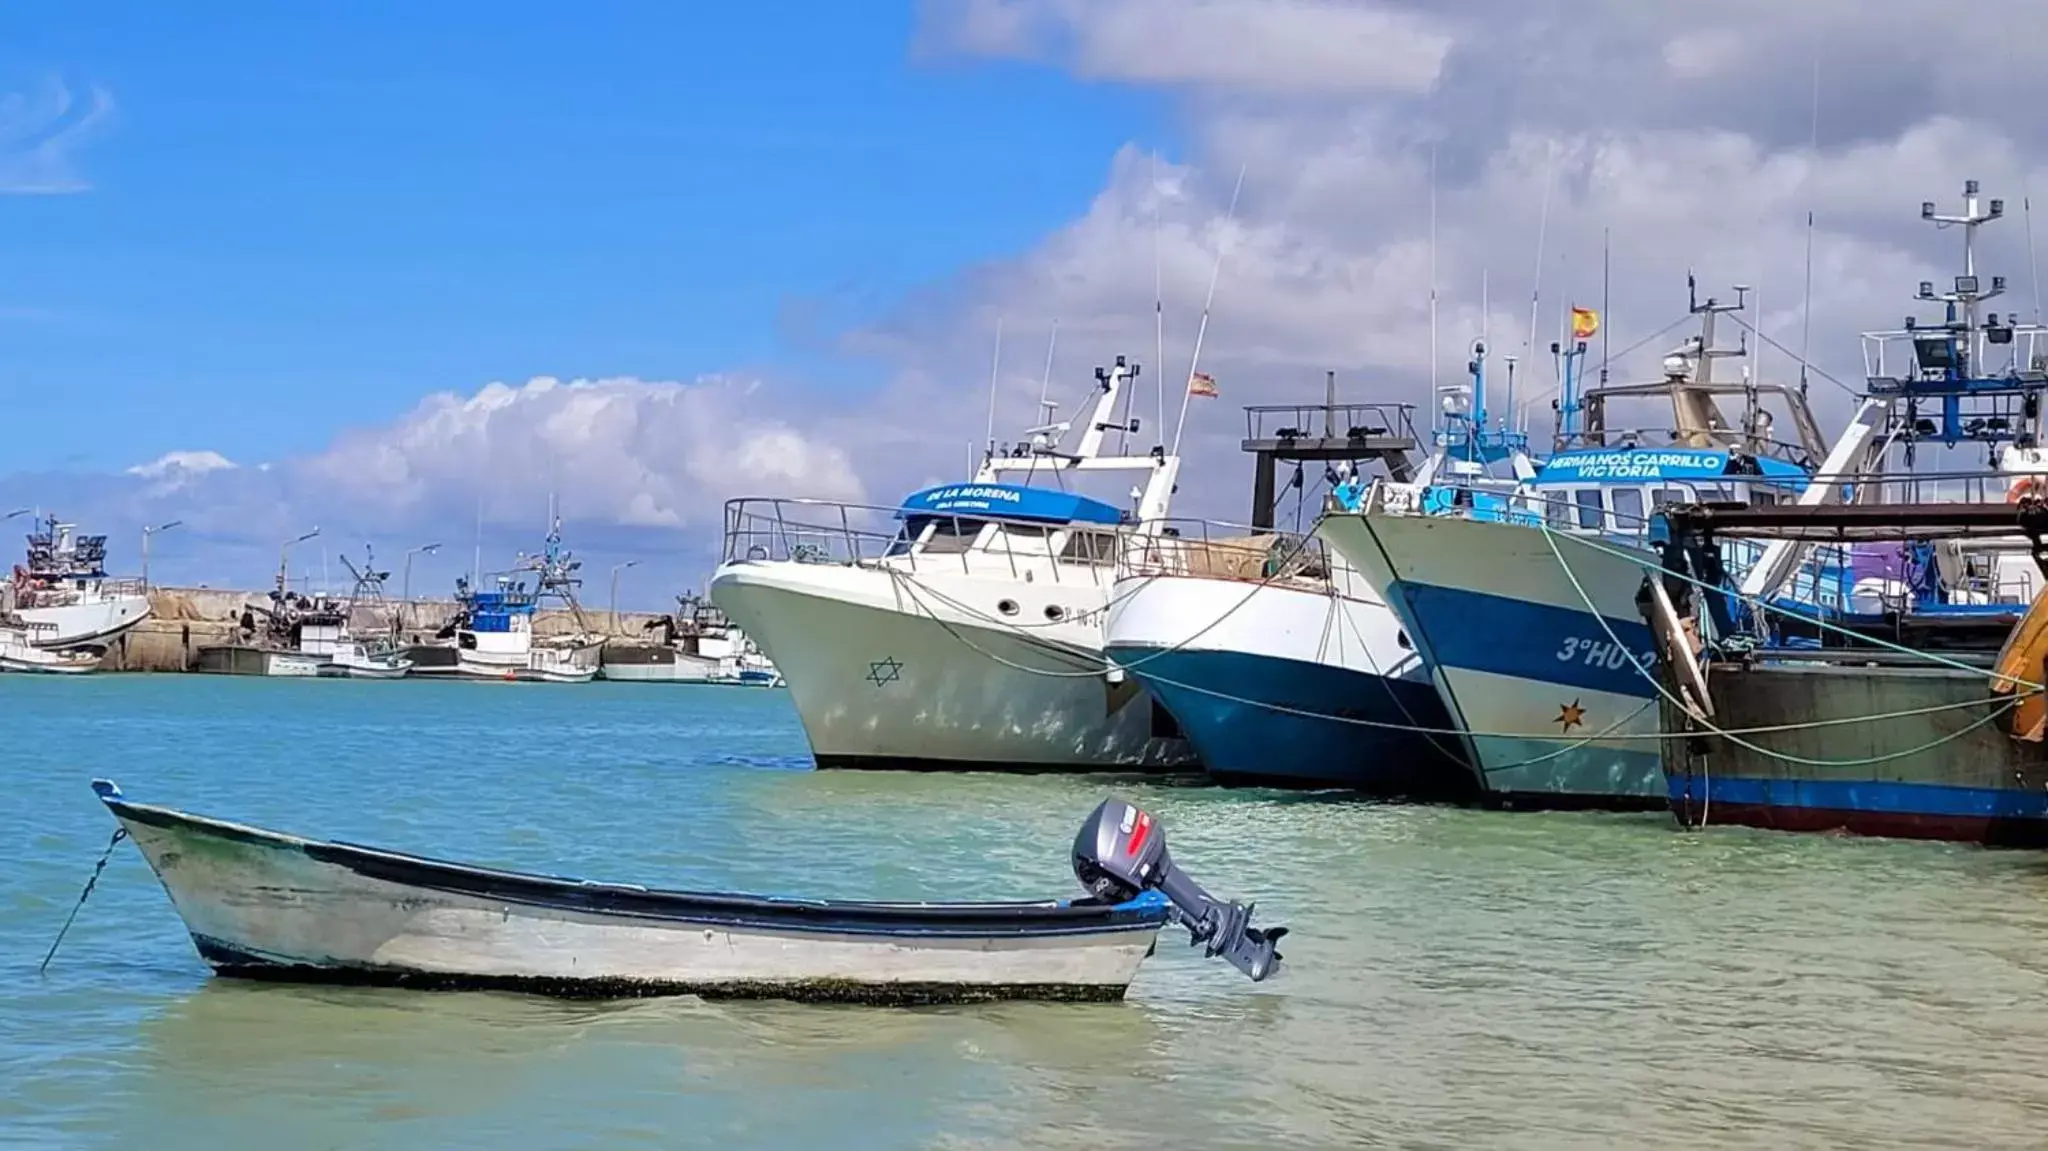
1122	851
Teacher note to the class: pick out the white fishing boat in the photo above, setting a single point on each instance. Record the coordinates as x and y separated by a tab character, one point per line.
301	636
961	630
494	633
1276	658
698	644
262	904
19	651
64	587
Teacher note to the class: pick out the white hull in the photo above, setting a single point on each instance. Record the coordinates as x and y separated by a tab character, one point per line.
682	669
540	664
880	680
340	670
19	656
1552	708
98	622
292	665
259	903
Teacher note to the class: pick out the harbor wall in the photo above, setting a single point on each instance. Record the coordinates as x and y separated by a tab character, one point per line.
183	620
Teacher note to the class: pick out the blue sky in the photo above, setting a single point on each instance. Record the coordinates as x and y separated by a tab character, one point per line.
305	216
295	219
420	257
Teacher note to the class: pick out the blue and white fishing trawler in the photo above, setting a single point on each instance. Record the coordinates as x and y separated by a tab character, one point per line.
962	629
1532	636
494	635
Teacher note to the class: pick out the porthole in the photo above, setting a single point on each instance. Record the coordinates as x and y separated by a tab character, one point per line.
1007	606
1055	612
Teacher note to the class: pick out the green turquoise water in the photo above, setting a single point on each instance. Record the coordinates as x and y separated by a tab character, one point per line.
1456	979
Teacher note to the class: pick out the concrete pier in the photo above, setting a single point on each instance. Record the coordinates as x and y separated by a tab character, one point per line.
183	620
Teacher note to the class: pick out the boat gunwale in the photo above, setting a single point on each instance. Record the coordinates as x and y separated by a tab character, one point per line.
982	919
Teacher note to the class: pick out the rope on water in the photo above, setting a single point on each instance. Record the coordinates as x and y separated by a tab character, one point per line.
120	833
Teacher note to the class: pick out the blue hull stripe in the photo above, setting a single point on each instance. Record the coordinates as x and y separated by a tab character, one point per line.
1476	631
1878	797
1225	703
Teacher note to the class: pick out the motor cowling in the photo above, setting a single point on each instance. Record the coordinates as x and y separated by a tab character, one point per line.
1121	851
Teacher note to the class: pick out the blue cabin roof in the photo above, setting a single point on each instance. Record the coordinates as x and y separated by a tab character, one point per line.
1641	465
1011	501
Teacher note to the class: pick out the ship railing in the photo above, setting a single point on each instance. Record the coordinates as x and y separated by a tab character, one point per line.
1217	549
813	531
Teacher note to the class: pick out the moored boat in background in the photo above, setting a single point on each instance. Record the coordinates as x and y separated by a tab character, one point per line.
65	590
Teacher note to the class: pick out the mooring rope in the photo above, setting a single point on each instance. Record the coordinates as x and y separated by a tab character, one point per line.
120	833
1609	734
1752	601
1804	761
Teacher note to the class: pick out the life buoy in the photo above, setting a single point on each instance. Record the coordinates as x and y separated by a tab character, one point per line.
2027	487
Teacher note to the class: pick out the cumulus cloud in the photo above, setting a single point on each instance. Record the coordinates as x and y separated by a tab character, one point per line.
41	133
180	464
1542	132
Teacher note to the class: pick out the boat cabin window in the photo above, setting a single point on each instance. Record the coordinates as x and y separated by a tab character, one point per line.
1628	508
1557	510
1591	515
946	534
1090	547
1667	496
1762	498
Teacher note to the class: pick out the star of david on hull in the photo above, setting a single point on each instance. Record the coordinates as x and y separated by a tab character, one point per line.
884	671
1571	715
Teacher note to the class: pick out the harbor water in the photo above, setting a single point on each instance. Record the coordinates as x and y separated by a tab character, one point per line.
1455	978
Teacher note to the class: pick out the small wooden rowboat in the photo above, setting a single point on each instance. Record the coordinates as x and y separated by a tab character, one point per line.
266	905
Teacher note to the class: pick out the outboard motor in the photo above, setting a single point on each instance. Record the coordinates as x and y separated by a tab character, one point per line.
1122	851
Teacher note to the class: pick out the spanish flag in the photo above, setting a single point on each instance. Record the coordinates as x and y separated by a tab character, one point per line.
1202	384
1585	322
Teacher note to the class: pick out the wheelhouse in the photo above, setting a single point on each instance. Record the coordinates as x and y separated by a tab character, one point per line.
1009	520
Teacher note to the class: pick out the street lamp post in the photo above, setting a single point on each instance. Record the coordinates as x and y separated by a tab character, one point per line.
146	533
405	584
284	571
616	569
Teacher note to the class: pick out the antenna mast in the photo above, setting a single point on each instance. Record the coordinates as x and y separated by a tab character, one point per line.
1215	272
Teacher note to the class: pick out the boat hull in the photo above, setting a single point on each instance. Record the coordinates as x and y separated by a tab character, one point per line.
236	659
31	665
95	623
641	664
1555	714
879	682
265	905
1975	785
1278	686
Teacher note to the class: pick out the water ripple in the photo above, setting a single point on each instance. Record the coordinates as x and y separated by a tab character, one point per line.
1456	979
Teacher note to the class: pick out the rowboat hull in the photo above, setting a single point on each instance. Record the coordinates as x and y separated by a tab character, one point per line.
266	905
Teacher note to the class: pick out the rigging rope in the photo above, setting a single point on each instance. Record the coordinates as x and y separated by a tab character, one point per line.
1804	761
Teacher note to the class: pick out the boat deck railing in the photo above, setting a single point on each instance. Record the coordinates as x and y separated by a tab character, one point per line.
63	595
1214	549
776	529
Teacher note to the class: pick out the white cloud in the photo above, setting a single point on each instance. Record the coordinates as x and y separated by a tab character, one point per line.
626	451
1282	46
40	134
1693	149
182	463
